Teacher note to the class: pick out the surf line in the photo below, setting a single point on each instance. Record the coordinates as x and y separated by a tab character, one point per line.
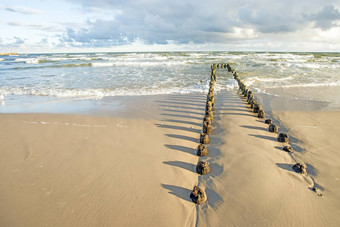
298	167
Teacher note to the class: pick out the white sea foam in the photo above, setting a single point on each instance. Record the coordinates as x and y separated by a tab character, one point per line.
28	60
272	79
263	91
55	59
20	60
231	84
316	65
249	81
136	63
65	123
326	84
234	57
102	64
100	93
2	59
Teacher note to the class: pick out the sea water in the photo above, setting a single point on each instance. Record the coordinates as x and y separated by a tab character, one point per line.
94	76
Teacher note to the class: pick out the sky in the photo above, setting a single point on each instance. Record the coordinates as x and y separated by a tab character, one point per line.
50	26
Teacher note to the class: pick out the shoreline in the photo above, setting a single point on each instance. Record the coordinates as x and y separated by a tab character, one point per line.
121	105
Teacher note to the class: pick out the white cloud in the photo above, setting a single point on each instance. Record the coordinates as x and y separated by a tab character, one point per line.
216	21
187	24
267	20
326	17
16	42
22	10
41	27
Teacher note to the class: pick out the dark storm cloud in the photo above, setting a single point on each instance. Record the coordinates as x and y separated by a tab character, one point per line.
184	21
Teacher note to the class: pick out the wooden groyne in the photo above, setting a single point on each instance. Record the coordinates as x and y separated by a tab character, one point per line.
299	167
198	195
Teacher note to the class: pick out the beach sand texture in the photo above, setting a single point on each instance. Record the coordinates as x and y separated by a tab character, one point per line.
258	185
72	170
139	169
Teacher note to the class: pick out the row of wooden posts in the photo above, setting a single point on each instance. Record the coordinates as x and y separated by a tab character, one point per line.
197	195
254	104
298	167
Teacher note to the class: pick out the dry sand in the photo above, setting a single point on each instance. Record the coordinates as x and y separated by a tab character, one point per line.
73	170
138	169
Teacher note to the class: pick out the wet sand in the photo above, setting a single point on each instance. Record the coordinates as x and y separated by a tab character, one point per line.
137	166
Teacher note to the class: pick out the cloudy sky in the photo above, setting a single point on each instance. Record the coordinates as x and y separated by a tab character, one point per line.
37	26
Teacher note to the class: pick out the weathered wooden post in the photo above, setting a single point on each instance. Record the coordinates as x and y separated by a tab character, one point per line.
229	68
197	195
202	167
300	168
273	128
210	115
204	138
288	149
283	138
202	150
260	114
207	128
268	121
256	108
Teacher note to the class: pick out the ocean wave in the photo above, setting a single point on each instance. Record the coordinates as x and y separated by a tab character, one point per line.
231	84
136	63
107	64
100	93
320	55
2	59
288	58
34	60
57	59
271	79
325	84
55	66
17	78
53	59
27	60
83	58
315	65
295	80
263	91
102	64
71	65
48	75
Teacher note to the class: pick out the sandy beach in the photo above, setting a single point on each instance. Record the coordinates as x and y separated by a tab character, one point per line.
258	185
138	167
169	113
75	170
